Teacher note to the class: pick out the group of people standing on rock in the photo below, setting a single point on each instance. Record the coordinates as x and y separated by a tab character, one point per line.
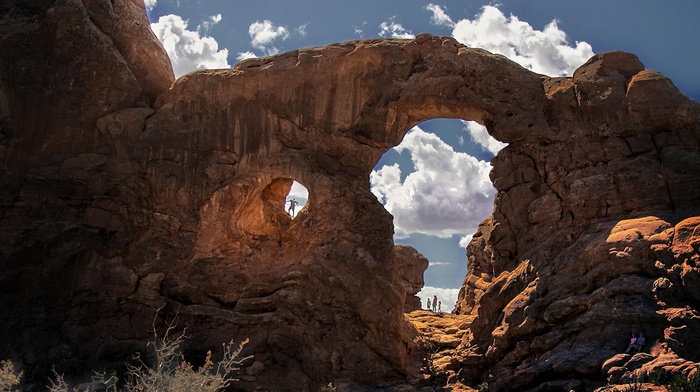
636	343
435	306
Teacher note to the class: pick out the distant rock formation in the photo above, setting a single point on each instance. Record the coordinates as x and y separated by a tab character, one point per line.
124	191
413	264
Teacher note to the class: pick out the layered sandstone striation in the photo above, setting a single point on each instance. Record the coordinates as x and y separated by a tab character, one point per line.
124	192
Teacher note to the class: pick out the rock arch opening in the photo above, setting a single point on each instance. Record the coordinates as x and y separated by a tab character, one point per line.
250	208
297	198
436	185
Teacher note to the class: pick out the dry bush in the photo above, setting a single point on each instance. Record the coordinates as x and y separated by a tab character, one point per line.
169	372
9	377
172	373
59	384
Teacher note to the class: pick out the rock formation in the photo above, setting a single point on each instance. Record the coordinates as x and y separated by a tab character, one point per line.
124	192
590	237
413	264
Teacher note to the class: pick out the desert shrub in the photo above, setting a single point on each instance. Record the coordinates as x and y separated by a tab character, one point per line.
172	373
9	376
633	382
59	384
169	372
659	376
681	383
430	350
329	388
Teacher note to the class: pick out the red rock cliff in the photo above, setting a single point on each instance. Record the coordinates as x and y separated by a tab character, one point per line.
121	194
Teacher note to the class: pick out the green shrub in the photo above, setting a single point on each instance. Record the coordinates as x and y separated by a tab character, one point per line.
681	383
659	376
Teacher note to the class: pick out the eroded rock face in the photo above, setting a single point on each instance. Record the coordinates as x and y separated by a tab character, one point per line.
122	195
583	248
413	264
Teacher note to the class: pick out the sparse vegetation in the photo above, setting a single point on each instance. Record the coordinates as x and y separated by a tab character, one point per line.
169	372
9	376
681	383
430	350
659	376
633	382
329	388
673	382
172	373
483	387
59	384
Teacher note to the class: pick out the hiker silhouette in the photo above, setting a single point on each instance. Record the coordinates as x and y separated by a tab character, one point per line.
292	205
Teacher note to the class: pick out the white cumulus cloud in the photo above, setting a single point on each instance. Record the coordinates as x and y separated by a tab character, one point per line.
480	136
187	49
360	30
543	51
391	29
301	30
299	191
440	17
150	4
207	24
264	34
449	193
464	241
245	55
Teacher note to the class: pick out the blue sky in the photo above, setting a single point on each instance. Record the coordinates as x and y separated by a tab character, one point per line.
436	182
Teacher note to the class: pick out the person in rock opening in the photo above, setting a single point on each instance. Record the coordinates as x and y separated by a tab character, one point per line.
456	309
439	306
292	205
427	303
435	303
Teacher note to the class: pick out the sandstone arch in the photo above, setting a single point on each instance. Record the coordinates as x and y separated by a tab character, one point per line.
110	205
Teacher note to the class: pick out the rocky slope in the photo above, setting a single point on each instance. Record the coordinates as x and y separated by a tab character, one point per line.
124	191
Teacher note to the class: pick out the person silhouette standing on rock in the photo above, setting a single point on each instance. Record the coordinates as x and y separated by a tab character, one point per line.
439	306
292	205
435	303
427	303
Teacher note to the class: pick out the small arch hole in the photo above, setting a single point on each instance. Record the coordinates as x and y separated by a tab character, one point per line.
296	199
